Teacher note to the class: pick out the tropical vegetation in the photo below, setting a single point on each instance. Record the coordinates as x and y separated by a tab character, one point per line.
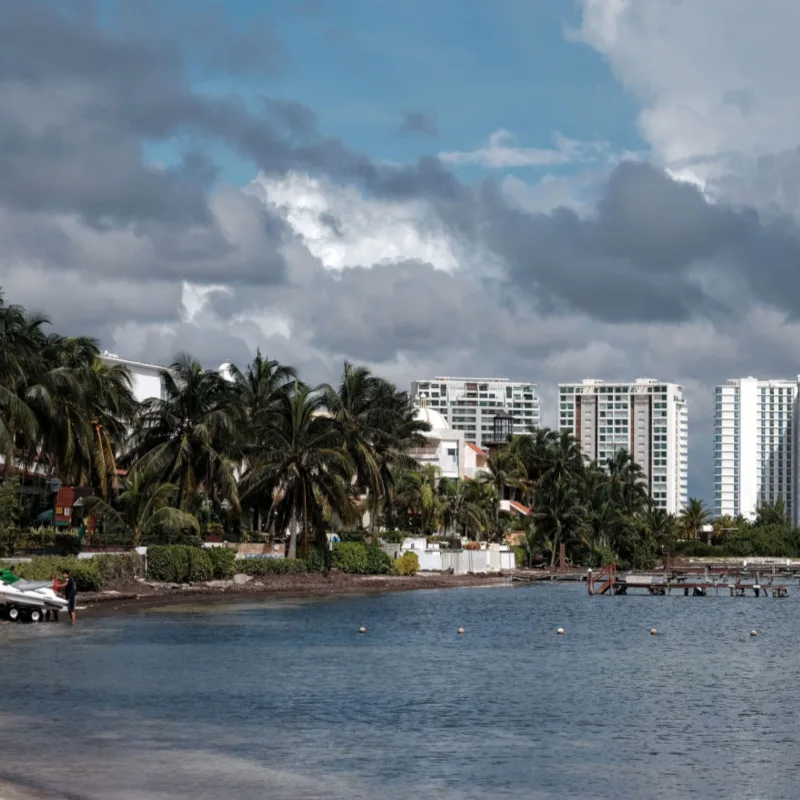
256	453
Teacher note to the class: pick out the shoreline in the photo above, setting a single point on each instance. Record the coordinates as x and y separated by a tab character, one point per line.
144	595
11	789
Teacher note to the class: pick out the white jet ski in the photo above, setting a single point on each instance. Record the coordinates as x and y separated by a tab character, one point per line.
31	598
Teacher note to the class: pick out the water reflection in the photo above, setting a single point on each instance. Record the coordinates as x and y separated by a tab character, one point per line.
287	700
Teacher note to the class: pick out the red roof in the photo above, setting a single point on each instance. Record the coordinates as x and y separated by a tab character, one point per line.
477	450
519	507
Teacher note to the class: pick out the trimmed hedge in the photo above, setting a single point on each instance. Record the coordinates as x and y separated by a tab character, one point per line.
90	574
378	562
350	557
407	564
359	559
179	564
319	560
353	535
270	566
223	562
85	572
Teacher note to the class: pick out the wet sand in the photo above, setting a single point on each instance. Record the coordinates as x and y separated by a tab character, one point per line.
13	791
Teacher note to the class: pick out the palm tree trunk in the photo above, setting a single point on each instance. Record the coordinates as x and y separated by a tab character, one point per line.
293	527
293	536
556	542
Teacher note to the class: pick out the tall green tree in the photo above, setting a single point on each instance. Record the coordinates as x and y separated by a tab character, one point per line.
694	517
299	461
189	438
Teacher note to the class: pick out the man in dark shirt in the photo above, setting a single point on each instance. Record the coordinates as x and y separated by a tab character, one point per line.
71	593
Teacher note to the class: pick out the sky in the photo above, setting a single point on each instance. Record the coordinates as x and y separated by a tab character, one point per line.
543	191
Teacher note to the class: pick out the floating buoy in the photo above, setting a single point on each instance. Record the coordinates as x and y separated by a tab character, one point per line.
653	632
560	631
460	630
362	630
754	633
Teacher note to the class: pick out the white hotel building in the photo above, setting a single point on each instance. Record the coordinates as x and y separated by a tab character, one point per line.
470	404
754	445
146	381
648	418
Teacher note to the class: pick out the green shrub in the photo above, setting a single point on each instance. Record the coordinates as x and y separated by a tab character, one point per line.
159	539
356	535
350	557
67	544
270	566
520	556
119	567
168	563
696	549
222	561
378	562
85	572
407	564
394	537
177	563
319	560
201	567
215	530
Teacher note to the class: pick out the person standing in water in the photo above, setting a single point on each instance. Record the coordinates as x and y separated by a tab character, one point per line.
71	593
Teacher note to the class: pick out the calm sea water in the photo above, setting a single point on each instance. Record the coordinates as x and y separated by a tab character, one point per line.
287	700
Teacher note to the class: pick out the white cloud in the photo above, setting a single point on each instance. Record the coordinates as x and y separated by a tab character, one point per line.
714	77
343	228
502	153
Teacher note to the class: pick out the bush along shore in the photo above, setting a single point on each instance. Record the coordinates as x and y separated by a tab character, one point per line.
175	572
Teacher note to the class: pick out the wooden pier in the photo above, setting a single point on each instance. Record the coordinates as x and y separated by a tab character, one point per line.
690	582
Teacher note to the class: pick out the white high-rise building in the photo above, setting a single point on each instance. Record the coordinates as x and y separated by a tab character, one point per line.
146	381
648	418
754	445
470	404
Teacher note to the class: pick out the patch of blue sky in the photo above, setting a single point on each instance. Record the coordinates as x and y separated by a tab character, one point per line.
478	65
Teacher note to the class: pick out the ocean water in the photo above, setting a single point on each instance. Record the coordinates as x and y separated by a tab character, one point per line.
286	700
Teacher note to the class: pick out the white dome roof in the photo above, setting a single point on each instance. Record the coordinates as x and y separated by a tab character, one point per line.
433	418
225	371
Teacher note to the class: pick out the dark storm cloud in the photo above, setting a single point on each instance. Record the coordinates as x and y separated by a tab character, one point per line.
79	100
423	122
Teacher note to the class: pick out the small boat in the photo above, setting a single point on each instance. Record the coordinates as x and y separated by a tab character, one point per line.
30	599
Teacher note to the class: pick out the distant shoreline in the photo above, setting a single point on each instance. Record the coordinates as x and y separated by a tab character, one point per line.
137	596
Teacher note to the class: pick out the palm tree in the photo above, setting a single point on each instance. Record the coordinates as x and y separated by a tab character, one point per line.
260	385
257	390
145	510
299	461
189	438
534	451
461	506
391	444
535	543
416	492
503	470
560	514
693	517
662	526
563	460
21	340
627	481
